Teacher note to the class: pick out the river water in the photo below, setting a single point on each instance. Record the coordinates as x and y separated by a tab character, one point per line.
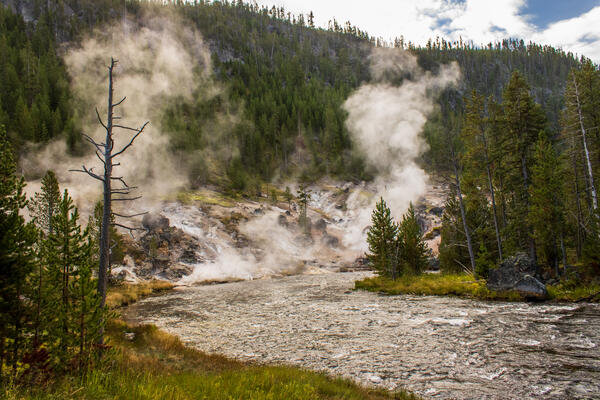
438	347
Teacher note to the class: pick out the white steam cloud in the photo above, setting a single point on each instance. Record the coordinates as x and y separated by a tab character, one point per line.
158	61
386	122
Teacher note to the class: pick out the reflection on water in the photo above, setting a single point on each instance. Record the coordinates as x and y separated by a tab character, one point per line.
439	347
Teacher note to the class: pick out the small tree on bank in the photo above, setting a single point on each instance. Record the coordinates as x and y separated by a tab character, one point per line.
413	250
396	249
382	241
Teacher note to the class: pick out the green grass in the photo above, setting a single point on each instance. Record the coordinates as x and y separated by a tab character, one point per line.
466	286
435	284
570	292
156	365
126	293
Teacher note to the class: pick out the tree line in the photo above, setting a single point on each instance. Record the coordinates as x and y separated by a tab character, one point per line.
284	77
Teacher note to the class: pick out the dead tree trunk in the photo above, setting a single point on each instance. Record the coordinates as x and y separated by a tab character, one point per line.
463	212
585	147
492	191
104	152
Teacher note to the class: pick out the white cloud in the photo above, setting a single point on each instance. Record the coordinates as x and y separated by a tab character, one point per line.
579	35
480	21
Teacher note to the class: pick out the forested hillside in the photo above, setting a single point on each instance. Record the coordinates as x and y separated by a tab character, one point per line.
288	81
289	78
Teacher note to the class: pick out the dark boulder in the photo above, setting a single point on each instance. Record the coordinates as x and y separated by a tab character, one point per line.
437	211
154	222
531	288
282	220
330	241
321	225
434	263
518	273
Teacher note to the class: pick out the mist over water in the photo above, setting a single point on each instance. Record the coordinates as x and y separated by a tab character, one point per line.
386	122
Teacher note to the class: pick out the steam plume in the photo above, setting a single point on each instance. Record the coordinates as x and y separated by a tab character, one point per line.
386	122
158	61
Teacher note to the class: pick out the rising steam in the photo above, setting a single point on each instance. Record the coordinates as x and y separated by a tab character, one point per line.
386	122
158	61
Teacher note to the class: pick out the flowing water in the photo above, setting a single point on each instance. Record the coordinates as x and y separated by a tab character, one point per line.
438	347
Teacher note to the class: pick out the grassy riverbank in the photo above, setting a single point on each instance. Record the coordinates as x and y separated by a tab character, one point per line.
466	286
151	364
128	293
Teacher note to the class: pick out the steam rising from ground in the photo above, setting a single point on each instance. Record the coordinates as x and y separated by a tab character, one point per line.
281	251
386	122
158	61
162	60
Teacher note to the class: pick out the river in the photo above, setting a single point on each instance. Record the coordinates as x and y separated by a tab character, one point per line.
438	347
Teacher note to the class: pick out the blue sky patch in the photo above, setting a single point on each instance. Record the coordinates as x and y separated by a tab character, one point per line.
543	12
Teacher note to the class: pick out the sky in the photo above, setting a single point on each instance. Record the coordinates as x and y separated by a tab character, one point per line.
573	25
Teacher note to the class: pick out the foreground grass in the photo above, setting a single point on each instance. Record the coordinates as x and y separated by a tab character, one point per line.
126	293
156	365
465	286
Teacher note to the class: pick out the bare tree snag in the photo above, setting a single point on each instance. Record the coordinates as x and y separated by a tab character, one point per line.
585	147
463	212
104	152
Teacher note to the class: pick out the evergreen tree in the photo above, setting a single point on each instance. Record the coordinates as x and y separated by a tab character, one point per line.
87	316
303	199
524	121
413	250
478	162
17	260
382	240
67	252
546	211
288	197
44	205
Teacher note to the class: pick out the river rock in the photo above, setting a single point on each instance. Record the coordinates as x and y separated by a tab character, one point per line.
518	273
530	287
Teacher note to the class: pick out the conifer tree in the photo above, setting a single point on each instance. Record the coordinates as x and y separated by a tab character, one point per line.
382	240
524	121
303	199
478	159
413	250
17	260
546	210
44	205
68	251
288	197
87	315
